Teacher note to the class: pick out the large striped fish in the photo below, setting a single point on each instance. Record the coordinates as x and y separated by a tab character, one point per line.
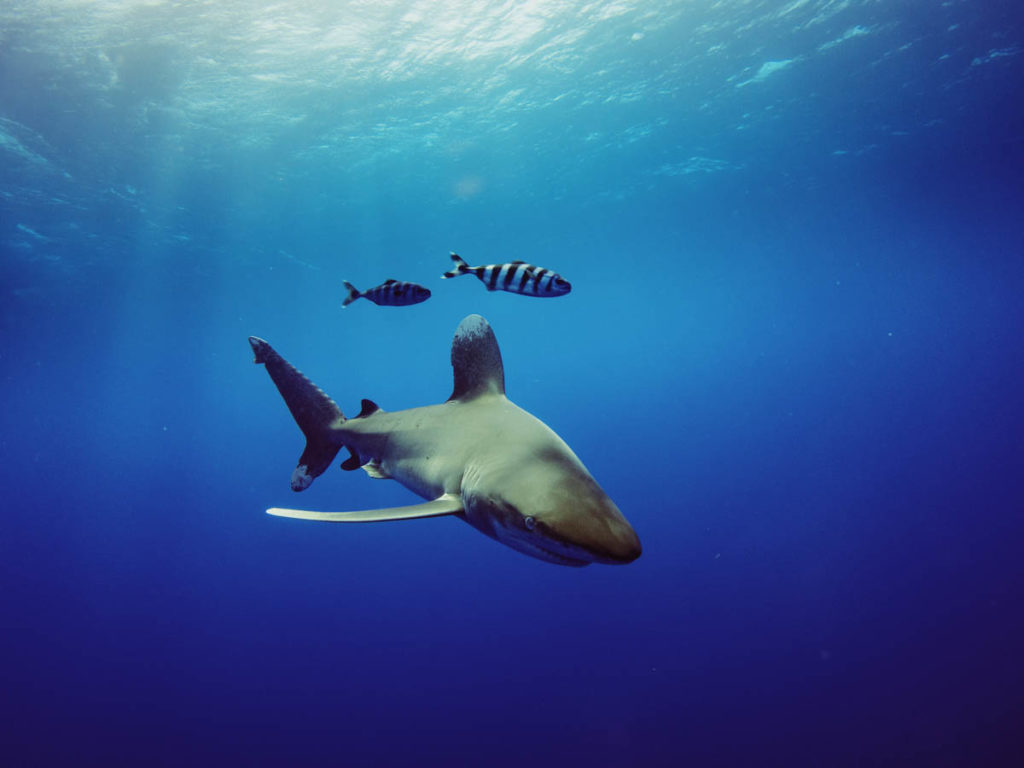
514	277
390	293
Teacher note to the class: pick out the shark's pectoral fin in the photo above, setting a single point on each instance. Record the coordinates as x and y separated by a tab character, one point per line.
449	504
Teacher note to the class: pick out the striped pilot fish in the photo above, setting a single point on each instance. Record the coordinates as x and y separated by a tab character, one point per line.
514	277
390	293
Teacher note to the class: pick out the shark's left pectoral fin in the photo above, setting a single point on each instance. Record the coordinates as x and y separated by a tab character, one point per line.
449	504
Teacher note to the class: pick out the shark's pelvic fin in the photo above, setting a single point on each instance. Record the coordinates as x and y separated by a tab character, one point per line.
372	467
375	470
315	413
476	360
449	504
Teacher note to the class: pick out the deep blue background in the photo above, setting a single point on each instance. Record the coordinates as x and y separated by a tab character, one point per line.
793	356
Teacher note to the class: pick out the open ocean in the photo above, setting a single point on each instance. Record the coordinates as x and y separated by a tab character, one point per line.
793	355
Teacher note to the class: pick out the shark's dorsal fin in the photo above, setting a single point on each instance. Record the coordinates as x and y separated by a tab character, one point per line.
476	360
448	504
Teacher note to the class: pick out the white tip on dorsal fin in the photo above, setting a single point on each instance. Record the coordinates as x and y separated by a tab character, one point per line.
476	360
449	504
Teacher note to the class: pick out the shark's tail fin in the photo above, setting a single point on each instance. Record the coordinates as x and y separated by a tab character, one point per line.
353	293
461	267
316	414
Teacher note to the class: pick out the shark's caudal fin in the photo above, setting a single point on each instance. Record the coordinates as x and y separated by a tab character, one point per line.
353	293
476	360
315	413
461	267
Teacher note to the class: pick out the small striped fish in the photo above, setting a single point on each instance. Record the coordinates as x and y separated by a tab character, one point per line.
514	277
390	293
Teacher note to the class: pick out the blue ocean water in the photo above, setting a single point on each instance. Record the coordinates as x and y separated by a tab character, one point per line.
792	355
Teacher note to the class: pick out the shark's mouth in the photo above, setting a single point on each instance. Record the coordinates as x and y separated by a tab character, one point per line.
534	548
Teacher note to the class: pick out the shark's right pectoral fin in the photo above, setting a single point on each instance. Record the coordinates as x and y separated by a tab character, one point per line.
449	504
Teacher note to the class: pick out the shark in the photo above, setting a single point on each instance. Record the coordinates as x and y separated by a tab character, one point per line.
477	456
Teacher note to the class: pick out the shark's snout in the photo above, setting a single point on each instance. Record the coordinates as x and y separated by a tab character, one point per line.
612	542
595	533
622	548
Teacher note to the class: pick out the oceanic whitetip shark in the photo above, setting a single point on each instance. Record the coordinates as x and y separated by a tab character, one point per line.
477	456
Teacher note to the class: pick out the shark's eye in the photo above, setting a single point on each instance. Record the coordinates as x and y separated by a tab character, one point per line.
529	522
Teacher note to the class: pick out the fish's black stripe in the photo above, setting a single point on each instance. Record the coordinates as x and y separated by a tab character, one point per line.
536	280
510	272
527	274
493	277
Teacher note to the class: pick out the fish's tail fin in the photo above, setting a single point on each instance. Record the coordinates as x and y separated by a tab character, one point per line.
461	267
353	293
316	414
